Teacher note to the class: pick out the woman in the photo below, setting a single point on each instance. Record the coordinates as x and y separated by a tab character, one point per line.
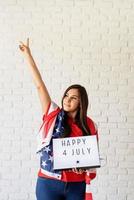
69	121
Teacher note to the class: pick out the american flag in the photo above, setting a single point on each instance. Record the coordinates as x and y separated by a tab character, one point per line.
46	160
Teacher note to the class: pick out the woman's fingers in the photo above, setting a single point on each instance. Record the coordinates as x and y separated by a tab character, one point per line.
28	42
22	43
24	47
78	171
81	171
20	47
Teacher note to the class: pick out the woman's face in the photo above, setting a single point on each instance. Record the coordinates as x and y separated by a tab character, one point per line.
71	101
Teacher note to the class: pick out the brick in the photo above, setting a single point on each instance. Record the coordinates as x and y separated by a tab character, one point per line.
87	42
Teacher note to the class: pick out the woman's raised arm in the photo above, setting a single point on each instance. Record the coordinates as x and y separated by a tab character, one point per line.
39	83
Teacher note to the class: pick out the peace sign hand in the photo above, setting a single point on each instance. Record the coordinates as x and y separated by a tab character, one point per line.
25	47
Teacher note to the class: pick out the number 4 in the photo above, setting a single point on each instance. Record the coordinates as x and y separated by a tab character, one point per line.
64	152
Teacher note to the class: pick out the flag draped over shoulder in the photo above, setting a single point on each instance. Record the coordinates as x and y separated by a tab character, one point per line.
46	130
44	137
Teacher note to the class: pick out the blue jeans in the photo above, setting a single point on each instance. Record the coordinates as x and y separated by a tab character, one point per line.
50	189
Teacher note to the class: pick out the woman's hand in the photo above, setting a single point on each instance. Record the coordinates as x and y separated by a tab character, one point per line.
39	83
25	47
78	171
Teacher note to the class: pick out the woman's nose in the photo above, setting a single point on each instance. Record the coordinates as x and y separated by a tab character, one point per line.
68	99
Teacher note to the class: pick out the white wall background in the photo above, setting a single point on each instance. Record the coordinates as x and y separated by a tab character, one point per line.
90	42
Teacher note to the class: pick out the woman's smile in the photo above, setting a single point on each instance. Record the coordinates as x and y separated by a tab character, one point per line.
67	105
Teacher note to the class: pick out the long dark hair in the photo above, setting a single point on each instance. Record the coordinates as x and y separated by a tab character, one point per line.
81	116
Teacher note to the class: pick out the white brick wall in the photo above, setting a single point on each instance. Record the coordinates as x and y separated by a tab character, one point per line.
90	42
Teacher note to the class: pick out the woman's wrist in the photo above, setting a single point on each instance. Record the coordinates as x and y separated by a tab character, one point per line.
28	54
